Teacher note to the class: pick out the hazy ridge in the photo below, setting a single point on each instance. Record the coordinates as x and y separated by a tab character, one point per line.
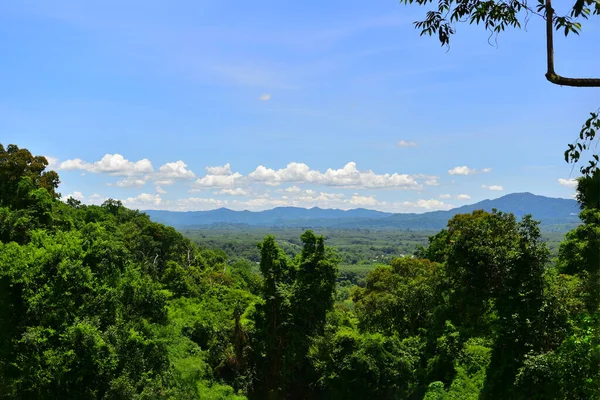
555	214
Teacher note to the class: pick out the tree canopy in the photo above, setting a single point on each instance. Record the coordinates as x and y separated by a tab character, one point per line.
100	302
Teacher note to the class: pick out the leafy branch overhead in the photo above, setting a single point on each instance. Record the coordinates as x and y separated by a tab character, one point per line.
496	15
586	137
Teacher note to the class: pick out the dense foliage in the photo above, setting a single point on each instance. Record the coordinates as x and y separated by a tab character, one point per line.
101	302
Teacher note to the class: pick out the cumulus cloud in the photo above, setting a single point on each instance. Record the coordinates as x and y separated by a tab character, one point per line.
363	201
52	162
170	172
233	192
445	196
291	189
75	196
131	182
404	143
160	190
219	170
348	176
570	183
96	199
136	173
144	201
430	180
464	170
76	163
112	164
421	205
463	197
209	181
323	196
217	177
265	97
497	188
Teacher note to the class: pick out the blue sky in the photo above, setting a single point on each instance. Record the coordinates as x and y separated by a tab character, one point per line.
194	105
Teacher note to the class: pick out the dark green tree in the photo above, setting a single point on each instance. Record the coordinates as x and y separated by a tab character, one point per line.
17	164
296	298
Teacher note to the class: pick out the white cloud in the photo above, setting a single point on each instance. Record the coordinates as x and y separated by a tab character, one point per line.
493	187
422	205
233	192
291	189
430	180
463	197
112	164
363	201
464	170
348	176
217	177
265	97
571	183
117	165
295	191
209	181
160	190
52	162
131	182
96	199
218	170
170	172
75	195
445	196
76	163
404	143
144	201
330	196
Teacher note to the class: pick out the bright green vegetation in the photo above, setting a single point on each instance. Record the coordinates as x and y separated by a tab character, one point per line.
99	302
360	250
355	246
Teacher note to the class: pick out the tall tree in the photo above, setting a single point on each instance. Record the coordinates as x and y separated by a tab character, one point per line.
297	296
274	316
17	164
496	267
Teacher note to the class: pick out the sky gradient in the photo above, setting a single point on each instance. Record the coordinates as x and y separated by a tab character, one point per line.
195	105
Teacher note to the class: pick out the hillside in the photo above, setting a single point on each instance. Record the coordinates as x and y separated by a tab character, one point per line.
555	214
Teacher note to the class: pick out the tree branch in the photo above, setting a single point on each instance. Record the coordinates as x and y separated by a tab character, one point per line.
551	75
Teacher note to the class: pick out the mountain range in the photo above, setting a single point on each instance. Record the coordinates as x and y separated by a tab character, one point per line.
555	214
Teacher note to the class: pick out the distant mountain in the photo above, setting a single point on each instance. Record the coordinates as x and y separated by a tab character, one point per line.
555	215
280	216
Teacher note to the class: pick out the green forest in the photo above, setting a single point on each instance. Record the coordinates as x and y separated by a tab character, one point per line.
99	302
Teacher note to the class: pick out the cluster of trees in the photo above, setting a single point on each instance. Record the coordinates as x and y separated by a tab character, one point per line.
100	302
